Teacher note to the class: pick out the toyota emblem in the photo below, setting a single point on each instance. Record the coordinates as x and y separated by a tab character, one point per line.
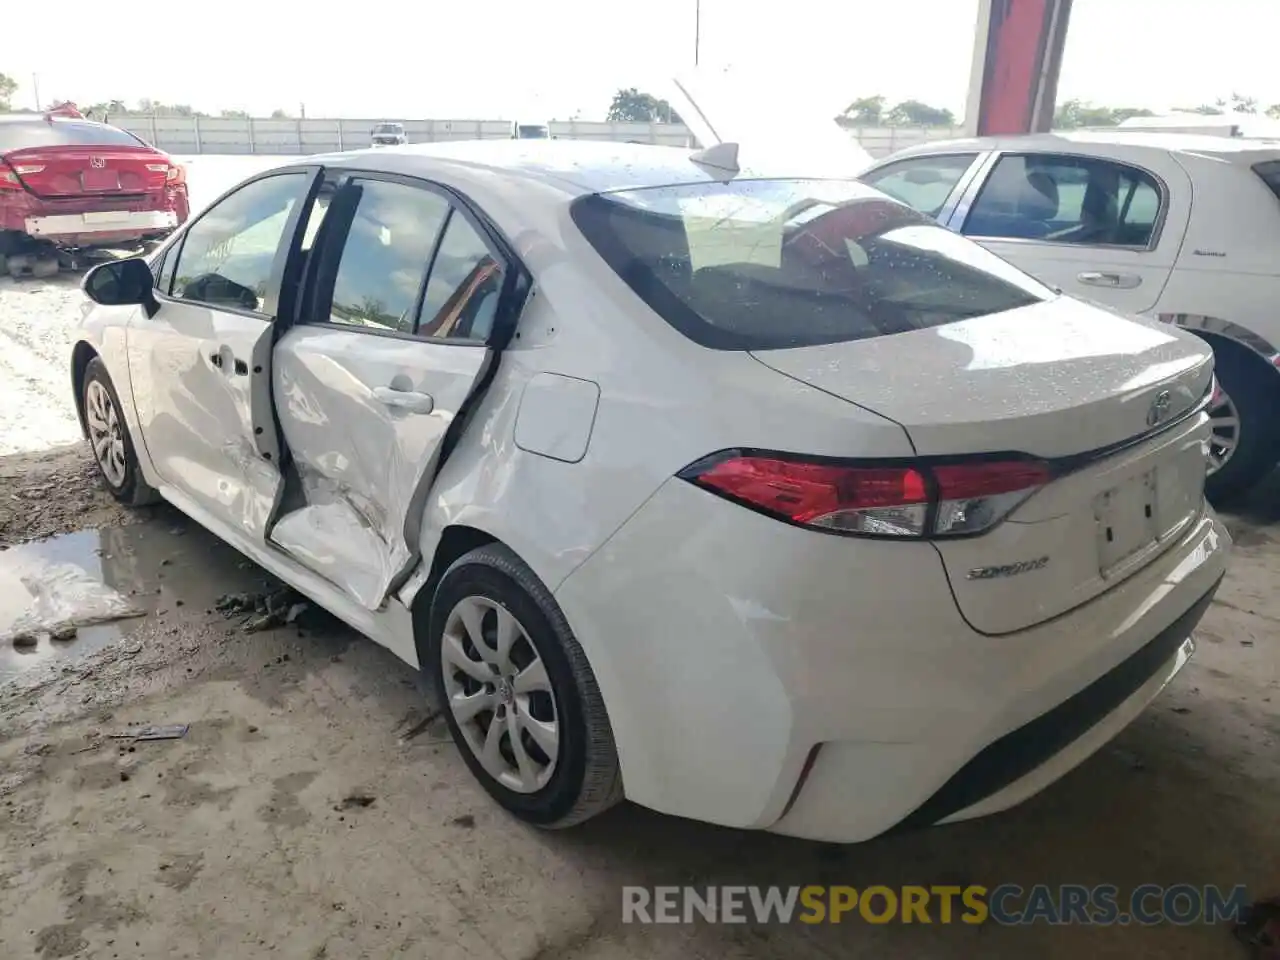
1159	408
97	162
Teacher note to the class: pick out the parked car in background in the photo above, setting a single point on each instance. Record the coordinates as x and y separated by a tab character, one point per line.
778	505
1179	227
530	131
388	135
70	184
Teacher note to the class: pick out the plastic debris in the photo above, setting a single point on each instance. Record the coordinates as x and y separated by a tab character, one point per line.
1259	928
169	731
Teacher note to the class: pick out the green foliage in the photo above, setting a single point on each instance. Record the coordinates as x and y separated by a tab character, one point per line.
633	105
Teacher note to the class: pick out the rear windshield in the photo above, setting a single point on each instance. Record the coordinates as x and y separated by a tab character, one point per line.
388	128
62	133
1270	174
533	132
762	264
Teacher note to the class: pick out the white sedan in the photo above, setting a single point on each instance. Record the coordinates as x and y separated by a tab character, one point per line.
1179	227
757	499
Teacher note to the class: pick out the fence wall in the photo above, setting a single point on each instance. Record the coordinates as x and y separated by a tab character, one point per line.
226	135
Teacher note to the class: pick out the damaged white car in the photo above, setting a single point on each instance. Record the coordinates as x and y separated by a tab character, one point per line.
755	497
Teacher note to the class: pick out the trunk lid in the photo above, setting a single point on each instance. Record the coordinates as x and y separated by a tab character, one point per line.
1106	399
74	170
770	121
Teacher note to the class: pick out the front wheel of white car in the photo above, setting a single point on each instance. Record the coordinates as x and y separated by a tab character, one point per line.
109	438
1246	432
518	694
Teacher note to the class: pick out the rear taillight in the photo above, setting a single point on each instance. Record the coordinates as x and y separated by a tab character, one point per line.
173	172
11	174
921	499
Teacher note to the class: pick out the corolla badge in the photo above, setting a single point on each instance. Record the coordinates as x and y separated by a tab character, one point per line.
97	162
1007	569
1159	409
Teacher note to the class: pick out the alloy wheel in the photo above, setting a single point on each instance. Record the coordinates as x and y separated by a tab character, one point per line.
499	694
106	433
1224	422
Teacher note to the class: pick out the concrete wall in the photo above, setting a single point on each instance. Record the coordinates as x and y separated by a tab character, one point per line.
219	135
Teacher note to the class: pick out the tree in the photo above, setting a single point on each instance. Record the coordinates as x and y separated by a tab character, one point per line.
1072	114
1238	104
1273	111
865	112
234	114
633	105
916	114
8	87
279	114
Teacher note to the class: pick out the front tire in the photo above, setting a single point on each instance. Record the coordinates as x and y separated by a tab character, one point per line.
1246	432
109	438
520	699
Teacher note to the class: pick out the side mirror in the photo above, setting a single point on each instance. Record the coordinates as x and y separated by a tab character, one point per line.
120	283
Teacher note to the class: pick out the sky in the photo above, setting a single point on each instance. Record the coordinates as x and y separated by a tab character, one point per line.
554	59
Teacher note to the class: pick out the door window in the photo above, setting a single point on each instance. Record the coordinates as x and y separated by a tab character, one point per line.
1079	200
228	254
385	255
922	182
465	285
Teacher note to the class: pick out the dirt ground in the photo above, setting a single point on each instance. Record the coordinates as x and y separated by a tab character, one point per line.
310	812
303	815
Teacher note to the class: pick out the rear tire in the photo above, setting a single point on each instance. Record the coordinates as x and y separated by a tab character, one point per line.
486	591
1253	390
109	439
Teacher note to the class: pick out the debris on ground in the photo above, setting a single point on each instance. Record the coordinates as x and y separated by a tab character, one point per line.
419	727
357	801
262	611
170	731
1259	928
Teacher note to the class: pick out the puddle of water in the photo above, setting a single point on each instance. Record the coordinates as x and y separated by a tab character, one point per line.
153	566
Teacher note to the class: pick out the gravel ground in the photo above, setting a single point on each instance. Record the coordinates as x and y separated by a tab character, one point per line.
311	811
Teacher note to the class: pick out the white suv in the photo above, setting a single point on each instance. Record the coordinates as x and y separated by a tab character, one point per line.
1179	227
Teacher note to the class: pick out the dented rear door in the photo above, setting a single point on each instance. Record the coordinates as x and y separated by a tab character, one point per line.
392	342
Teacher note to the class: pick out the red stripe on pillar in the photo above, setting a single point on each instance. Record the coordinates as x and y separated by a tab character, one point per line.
1015	58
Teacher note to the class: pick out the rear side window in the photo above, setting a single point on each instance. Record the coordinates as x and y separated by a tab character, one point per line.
385	257
922	182
765	264
62	133
1269	171
1061	199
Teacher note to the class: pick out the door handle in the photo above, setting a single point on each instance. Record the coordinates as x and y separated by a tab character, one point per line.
410	400
1118	281
216	360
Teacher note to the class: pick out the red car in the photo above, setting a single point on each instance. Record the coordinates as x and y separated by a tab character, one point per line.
71	183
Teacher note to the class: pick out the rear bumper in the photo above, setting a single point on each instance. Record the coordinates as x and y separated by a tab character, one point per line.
828	687
102	222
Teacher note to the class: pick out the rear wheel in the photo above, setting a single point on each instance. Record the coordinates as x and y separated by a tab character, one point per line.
518	695
109	438
1246	433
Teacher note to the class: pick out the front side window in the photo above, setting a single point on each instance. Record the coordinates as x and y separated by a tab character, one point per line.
1061	199
765	264
385	256
228	254
924	183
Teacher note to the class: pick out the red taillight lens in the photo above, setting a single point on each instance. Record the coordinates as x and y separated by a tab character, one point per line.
11	175
912	500
177	174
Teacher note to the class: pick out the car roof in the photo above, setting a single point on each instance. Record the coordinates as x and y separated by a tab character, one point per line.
1139	141
575	167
